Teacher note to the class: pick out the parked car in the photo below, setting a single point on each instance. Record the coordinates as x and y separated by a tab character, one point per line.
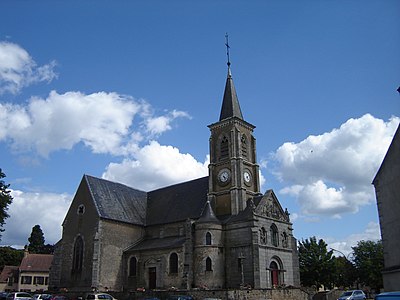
388	296
42	296
179	297
59	297
99	296
19	296
353	295
3	295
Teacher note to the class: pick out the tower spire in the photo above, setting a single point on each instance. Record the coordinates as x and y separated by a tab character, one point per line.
230	103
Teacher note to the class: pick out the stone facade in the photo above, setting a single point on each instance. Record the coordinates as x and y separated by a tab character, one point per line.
387	190
215	232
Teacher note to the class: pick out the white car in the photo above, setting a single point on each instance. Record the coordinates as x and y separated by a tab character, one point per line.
99	296
19	296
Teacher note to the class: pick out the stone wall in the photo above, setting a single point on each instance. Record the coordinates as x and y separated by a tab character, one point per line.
255	294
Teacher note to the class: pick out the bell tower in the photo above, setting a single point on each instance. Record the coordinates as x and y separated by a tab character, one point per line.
233	169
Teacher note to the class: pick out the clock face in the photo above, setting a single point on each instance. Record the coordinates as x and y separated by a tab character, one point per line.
247	176
224	176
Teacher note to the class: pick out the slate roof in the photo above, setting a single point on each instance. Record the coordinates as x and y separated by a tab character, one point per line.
207	215
177	202
36	263
116	201
230	103
158	243
122	203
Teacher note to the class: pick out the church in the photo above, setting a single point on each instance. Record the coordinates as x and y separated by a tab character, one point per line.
215	232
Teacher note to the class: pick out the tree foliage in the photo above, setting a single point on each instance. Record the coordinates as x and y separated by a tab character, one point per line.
316	263
368	259
344	273
10	256
36	242
5	201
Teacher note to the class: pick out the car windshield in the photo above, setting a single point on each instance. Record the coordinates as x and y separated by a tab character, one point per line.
347	293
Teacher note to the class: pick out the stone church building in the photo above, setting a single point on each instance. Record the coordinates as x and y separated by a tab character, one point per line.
214	232
387	191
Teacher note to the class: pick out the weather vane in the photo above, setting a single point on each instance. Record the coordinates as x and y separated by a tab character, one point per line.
227	49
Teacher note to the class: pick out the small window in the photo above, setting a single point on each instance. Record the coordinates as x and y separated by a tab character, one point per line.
208	238
244	145
46	281
173	263
224	148
208	264
81	209
26	279
38	280
132	266
274	235
240	265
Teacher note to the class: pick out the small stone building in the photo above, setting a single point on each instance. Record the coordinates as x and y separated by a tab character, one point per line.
215	232
387	190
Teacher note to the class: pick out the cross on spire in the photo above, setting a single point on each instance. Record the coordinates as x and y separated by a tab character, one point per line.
227	49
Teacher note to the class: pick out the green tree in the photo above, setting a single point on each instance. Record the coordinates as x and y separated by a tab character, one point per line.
36	242
5	201
316	263
345	272
368	259
10	256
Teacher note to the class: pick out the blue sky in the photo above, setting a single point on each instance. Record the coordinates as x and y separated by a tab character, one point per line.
125	90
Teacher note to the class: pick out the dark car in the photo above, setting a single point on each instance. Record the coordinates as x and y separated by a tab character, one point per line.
388	295
180	297
3	295
59	297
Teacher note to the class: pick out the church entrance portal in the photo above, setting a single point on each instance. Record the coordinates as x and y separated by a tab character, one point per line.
152	278
274	273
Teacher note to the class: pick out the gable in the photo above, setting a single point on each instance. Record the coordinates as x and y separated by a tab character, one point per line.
177	202
268	206
391	162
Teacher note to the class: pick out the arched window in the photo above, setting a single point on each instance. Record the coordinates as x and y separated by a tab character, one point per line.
244	145
208	238
208	264
224	148
274	235
263	236
132	266
77	259
173	263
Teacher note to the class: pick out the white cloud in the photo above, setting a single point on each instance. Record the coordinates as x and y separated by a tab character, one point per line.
371	233
29	209
331	174
102	121
157	125
155	166
18	69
